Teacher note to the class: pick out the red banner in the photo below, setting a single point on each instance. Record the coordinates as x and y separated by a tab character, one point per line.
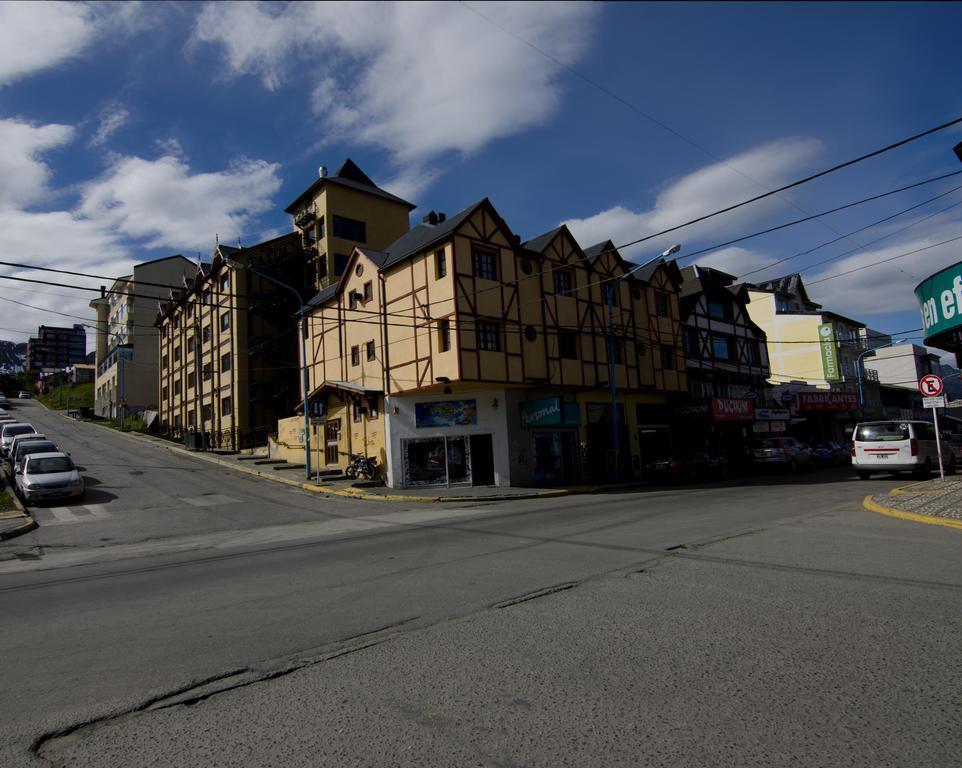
827	401
732	409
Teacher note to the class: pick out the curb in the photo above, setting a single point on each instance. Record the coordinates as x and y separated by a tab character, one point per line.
872	506
29	525
361	495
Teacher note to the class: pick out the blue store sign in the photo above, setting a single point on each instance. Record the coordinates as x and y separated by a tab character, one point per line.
548	412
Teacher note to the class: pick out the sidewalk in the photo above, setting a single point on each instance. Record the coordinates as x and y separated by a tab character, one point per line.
937	502
15	521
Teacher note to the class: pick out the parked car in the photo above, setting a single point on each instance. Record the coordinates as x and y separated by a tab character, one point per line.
782	453
9	431
24	395
22	450
48	476
4	402
955	443
19	440
822	456
840	454
690	468
898	446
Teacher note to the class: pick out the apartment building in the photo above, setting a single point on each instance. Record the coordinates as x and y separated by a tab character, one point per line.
726	357
813	355
228	354
127	340
55	348
459	355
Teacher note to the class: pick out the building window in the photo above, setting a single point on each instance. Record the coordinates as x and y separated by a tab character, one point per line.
207	333
608	291
440	264
352	300
225	406
350	229
667	358
207	371
225	362
368	291
444	335
208	412
190	309
164	361
720	310
358	412
563	281
489	337
209	297
567	344
224	282
190	419
753	352
176	354
721	347
372	409
369	348
485	265
690	342
177	388
176	323
164	394
225	321
662	304
191	380
355	355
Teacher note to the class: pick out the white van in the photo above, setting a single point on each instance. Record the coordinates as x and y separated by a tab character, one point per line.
898	446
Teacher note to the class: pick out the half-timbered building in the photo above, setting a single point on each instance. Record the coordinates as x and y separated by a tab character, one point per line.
727	362
460	355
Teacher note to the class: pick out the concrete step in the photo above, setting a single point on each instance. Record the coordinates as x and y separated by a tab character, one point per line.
269	461
289	466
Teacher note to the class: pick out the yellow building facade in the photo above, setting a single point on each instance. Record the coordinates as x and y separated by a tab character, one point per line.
460	355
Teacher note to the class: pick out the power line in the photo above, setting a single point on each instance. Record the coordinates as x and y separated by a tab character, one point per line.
885	261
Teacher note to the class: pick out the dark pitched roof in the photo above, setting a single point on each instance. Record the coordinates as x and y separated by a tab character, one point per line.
592	252
789	284
425	235
348	175
539	243
323	295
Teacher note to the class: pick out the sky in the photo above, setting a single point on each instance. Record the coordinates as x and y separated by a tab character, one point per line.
133	131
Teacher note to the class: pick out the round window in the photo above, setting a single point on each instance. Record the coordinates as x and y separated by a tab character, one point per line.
359	270
530	333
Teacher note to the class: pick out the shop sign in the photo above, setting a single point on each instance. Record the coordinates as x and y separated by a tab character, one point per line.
827	401
772	414
826	341
446	413
777	426
699	411
548	412
732	409
940	301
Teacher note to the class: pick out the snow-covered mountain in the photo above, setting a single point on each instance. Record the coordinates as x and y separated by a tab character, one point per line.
12	356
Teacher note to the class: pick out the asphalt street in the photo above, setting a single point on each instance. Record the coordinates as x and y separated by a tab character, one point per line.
773	623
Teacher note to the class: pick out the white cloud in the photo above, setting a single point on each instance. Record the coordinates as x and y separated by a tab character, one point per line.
737	261
417	79
23	175
706	190
35	36
112	119
164	203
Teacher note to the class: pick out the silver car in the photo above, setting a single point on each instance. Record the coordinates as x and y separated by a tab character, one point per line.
27	437
10	431
23	449
48	476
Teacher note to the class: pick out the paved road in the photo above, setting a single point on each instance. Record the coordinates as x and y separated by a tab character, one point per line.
771	624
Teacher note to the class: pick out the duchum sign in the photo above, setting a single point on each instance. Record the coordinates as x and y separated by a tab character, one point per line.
940	301
826	341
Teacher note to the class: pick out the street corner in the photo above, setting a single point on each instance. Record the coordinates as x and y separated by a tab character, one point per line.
15	521
895	505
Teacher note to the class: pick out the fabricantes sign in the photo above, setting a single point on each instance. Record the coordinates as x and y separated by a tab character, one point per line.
940	301
827	401
826	341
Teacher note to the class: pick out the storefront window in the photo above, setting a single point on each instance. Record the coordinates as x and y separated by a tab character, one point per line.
437	461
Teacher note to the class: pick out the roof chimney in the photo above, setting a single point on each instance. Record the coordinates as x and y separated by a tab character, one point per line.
103	291
430	218
322	172
441	216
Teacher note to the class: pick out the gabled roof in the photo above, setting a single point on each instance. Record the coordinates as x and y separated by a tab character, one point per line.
593	252
425	235
542	241
324	295
348	175
790	285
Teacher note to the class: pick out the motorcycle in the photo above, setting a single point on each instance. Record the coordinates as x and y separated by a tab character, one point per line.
361	466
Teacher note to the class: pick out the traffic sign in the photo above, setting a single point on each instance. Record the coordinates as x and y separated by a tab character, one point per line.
933	402
930	385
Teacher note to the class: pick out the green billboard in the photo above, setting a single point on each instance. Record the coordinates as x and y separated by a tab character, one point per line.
940	301
826	341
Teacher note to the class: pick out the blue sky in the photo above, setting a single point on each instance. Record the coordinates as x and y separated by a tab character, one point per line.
133	131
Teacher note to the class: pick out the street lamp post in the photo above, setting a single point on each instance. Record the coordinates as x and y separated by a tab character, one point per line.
858	373
612	383
304	378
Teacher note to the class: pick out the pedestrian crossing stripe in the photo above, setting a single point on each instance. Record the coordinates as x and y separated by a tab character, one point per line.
71	515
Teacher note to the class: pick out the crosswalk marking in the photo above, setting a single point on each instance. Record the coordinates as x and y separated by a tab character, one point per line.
209	500
87	513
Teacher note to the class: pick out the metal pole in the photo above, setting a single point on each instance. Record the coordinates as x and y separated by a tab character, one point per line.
938	442
612	384
861	389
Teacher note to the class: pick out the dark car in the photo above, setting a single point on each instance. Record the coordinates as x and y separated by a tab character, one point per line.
690	468
835	454
784	453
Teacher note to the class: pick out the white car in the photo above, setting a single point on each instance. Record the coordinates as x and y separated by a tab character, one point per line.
48	476
898	446
24	395
9	431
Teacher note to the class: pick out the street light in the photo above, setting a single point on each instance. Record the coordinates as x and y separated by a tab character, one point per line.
303	314
858	373
615	437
